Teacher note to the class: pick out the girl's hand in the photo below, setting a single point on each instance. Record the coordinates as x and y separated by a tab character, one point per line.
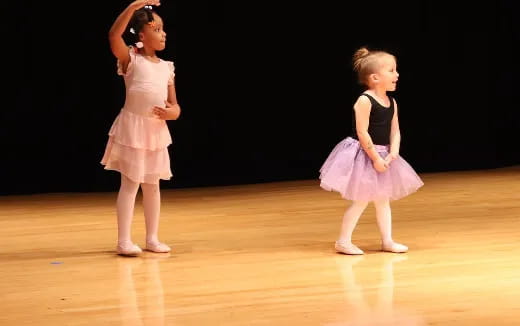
170	112
141	3
380	165
390	157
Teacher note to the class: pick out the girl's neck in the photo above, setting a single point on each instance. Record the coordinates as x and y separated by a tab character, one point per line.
378	92
147	52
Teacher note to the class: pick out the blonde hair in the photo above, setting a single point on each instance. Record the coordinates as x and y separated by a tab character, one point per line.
366	62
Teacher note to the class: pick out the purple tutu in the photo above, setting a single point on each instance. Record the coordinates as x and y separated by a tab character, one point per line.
349	171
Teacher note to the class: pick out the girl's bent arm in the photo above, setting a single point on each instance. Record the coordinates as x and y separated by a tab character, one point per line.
362	110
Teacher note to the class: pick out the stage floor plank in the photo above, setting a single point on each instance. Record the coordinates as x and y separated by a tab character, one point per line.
263	255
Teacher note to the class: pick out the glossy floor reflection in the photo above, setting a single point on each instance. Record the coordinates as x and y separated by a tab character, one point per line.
360	309
141	291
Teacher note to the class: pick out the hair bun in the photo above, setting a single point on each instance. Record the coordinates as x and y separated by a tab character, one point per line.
359	55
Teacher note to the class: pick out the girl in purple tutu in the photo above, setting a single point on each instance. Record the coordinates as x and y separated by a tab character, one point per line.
366	167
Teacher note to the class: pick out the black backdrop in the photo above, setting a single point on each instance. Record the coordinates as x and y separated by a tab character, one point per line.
266	88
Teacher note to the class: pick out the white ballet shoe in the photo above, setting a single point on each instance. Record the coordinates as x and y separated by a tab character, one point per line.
395	248
347	248
130	249
158	247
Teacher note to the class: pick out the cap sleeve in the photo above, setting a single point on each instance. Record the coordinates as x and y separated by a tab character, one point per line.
171	69
131	53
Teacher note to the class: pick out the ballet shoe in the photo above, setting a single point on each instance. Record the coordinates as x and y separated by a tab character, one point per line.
158	247
347	248
131	250
395	248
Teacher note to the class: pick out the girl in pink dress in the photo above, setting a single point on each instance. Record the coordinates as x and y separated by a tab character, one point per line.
139	137
366	167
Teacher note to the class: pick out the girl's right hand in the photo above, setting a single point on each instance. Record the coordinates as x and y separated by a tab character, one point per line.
380	165
141	3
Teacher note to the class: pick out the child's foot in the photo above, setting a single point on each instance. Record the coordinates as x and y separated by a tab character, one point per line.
347	248
394	247
157	247
128	249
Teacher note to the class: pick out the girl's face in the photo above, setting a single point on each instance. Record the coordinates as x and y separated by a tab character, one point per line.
387	74
153	35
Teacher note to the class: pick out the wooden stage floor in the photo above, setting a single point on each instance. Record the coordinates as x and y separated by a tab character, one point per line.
263	255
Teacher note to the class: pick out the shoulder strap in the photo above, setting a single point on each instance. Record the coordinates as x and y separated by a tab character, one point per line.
370	97
392	102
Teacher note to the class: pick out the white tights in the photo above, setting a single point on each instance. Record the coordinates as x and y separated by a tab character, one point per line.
351	217
125	209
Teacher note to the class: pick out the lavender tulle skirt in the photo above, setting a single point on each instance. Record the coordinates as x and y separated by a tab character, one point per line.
349	171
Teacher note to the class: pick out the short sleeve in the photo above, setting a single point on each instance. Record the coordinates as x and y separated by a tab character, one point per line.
131	53
171	69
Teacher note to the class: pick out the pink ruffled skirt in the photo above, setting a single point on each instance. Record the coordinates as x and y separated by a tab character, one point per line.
138	148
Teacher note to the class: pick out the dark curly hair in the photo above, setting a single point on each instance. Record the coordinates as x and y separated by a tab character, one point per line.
140	18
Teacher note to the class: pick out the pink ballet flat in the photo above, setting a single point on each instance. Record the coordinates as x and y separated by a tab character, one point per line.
395	248
131	250
157	247
347	248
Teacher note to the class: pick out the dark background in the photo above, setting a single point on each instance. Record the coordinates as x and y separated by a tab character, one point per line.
266	88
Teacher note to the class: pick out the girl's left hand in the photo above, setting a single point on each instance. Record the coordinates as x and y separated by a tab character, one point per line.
167	113
138	4
390	157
